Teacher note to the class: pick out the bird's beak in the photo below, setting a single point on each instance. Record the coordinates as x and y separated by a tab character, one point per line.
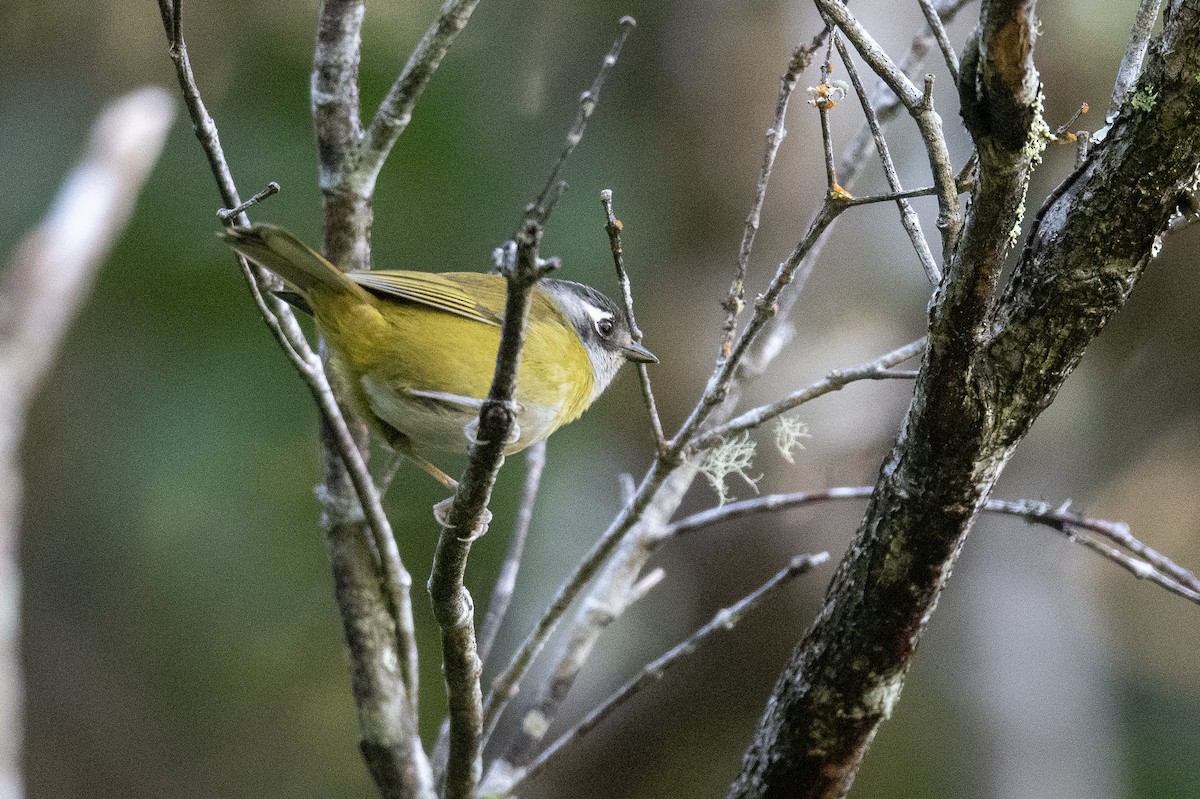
635	352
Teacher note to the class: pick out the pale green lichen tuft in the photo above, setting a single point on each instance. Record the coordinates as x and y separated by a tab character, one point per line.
1144	99
731	456
788	433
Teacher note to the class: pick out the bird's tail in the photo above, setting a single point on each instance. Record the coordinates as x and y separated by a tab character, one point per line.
275	249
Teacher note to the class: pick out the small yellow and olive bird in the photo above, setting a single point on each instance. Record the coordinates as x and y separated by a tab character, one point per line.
414	352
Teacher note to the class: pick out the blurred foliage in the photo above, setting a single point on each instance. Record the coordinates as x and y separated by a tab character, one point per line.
180	637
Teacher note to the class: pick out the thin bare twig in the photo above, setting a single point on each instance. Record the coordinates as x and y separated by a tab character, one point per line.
506	583
764	504
723	621
908	217
1148	563
227	214
735	301
613	227
587	105
965	182
936	27
825	98
1145	562
919	105
877	369
765	309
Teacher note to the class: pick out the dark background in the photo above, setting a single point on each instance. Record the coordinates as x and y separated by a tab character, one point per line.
179	632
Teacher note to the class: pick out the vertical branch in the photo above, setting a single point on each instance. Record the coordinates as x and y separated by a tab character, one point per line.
42	289
467	517
824	98
376	613
336	122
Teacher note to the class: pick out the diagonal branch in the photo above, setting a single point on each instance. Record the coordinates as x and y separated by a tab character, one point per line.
735	301
908	217
878	369
1135	54
395	112
934	20
613	227
723	621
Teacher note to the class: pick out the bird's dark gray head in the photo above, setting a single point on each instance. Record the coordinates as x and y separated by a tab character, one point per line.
603	327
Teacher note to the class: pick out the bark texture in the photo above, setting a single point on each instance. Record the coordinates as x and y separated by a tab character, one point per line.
995	360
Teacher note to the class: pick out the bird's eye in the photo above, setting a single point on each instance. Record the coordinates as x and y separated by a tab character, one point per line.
604	327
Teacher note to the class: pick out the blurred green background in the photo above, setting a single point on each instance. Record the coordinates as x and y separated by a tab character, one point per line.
179	633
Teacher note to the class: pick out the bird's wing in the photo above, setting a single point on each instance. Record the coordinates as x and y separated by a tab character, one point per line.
444	292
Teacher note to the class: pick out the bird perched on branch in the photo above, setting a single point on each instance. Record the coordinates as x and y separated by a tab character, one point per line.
414	352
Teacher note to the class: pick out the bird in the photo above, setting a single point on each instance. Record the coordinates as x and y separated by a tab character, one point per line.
414	352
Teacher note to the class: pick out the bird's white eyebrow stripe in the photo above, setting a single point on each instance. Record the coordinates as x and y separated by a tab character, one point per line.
596	313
